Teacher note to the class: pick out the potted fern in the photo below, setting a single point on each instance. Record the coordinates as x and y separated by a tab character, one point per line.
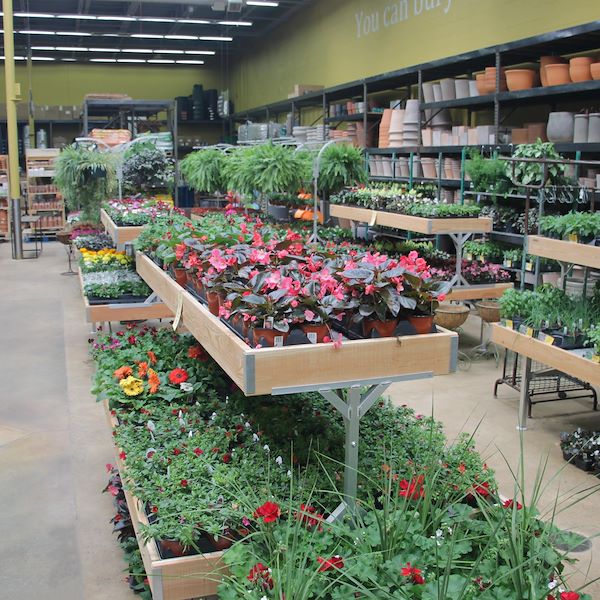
341	165
203	171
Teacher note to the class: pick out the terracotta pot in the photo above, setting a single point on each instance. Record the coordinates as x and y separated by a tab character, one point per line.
222	542
595	71
212	298
560	126
557	74
270	336
481	84
315	331
181	277
174	547
520	79
421	323
383	328
548	60
579	68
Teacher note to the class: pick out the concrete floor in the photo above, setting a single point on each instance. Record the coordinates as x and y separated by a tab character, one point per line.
54	442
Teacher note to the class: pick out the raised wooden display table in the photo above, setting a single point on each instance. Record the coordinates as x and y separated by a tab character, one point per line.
110	312
478	292
270	370
564	251
120	235
410	223
181	578
570	362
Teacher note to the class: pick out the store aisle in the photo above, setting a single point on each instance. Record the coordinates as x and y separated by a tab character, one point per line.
54	442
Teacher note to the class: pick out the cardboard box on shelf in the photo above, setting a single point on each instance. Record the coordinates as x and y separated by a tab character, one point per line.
304	88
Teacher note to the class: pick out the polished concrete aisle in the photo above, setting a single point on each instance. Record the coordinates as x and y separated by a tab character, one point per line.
54	442
56	542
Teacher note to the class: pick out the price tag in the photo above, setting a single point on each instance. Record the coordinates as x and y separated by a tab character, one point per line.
529	266
528	331
178	312
508	263
312	337
596	358
373	219
507	323
547	339
573	237
469	256
481	258
278	341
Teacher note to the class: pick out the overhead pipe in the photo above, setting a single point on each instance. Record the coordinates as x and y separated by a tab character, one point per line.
12	94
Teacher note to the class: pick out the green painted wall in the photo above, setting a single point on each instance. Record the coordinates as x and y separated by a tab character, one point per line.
68	83
336	41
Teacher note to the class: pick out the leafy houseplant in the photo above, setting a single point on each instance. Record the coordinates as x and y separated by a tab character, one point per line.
516	304
114	284
146	167
531	172
203	170
85	178
487	174
341	165
585	226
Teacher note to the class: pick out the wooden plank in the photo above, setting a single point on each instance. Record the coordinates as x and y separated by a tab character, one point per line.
410	223
478	292
564	251
554	357
120	235
181	578
294	366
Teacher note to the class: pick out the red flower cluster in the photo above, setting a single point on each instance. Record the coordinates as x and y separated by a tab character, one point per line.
482	490
269	512
177	376
413	573
510	503
335	562
261	575
197	352
566	596
412	489
309	516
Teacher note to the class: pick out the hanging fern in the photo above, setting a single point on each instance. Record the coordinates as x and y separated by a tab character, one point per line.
341	165
203	170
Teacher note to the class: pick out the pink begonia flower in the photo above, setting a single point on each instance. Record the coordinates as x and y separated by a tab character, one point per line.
309	315
337	344
369	289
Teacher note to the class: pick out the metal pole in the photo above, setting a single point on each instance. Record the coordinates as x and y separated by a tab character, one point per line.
12	93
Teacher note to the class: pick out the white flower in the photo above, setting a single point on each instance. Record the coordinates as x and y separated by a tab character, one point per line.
247	425
266	448
186	386
191	433
552	585
289	474
150	452
151	426
213	416
279	460
255	437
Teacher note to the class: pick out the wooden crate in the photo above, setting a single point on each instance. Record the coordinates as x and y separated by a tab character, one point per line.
120	235
563	360
267	370
563	251
180	578
409	223
106	313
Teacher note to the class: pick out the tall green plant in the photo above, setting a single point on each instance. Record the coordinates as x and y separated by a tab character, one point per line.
85	178
341	165
204	170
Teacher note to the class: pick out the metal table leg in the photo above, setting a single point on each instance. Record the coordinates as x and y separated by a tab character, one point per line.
524	393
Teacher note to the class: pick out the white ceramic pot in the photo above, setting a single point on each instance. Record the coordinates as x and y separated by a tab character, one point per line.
396	122
473	91
428	92
561	126
594	128
462	88
417	167
580	134
387	167
448	89
411	112
437	92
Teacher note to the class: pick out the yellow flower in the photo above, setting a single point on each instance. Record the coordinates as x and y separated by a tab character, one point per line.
132	386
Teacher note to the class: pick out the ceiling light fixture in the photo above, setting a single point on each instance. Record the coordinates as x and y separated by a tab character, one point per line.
147	36
42	47
36	32
261	3
204	52
189	62
160	61
130	60
71	49
181	37
236	23
46	58
68	60
137	50
77	17
215	38
114	18
105	50
73	33
159	51
33	15
103	60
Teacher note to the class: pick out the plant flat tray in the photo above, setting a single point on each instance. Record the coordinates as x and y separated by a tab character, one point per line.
566	361
409	223
267	370
478	292
564	251
120	235
101	313
181	578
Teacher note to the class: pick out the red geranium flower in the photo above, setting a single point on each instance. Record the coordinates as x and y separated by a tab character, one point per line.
482	490
184	483
227	458
569	596
335	562
197	352
198	452
412	489
309	516
176	451
177	376
132	340
122	455
510	503
260	574
268	512
414	574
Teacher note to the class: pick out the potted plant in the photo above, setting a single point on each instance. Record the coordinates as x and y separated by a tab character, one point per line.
341	165
86	178
427	294
593	339
203	170
516	305
531	173
487	175
147	168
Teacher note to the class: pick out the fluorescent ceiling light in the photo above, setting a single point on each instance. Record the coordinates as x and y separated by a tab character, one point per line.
137	50
47	58
71	49
204	52
36	32
109	60
236	23
78	17
156	20
105	50
115	18
160	61
74	33
130	60
181	37
42	47
261	3
215	38
34	15
194	21
15	58
68	60
159	51
147	36
190	62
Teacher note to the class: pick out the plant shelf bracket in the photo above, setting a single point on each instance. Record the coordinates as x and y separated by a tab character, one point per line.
459	239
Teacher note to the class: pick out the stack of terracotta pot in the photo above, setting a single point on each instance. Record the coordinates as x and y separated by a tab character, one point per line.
486	82
555	70
384	128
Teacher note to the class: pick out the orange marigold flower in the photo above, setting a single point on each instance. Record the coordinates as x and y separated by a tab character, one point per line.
153	381
142	369
198	352
123	372
151	357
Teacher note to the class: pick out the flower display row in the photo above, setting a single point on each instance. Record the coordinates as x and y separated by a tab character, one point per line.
92	241
260	476
102	286
106	259
276	283
136	211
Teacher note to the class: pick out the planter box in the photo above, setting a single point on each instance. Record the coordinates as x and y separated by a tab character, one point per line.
569	362
566	252
181	578
409	223
120	235
272	370
108	312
